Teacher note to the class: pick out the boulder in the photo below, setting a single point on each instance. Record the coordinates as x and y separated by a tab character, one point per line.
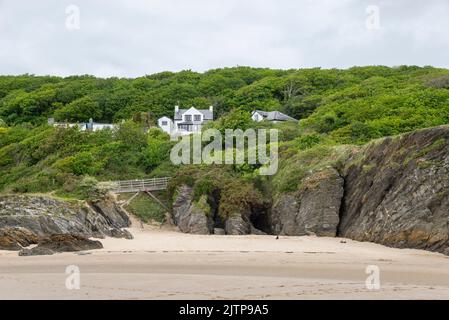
36	251
121	234
219	231
257	232
62	243
237	225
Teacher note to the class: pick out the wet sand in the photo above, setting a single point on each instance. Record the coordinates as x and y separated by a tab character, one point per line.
161	264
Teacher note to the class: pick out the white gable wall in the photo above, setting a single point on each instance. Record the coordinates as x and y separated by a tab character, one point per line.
257	117
166	124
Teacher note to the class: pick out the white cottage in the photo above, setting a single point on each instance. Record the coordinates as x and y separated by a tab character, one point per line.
186	121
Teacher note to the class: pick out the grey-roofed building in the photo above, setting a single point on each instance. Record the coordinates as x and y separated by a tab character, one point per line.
274	116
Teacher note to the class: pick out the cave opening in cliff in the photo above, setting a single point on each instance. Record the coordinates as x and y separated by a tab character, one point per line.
214	203
259	219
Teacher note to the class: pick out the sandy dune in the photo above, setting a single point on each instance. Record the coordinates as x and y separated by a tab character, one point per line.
169	265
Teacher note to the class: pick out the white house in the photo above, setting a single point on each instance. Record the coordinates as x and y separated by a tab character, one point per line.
83	126
186	121
273	116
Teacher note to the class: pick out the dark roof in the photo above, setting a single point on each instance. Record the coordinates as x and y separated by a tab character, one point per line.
207	114
274	116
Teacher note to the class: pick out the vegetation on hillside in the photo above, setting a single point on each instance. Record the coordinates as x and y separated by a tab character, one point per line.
338	109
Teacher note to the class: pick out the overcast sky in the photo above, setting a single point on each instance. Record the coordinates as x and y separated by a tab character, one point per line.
130	38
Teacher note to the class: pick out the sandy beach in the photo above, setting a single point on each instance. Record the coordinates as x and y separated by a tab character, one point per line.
162	264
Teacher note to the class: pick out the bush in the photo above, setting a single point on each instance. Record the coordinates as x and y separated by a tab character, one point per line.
80	164
89	189
146	209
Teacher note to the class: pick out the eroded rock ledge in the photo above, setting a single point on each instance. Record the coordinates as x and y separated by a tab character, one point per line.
26	220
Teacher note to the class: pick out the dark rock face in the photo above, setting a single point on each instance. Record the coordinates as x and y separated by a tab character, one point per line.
42	215
62	243
196	217
313	210
394	192
46	216
25	220
238	224
14	239
188	215
113	215
397	194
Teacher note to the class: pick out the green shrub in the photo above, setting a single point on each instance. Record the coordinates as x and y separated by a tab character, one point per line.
146	209
88	188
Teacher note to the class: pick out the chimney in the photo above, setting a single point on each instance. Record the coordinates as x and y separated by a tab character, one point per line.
211	108
176	109
90	125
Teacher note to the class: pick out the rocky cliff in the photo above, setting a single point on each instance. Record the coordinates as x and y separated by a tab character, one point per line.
397	192
393	191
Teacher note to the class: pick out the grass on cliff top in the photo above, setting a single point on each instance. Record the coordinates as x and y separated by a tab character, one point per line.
295	166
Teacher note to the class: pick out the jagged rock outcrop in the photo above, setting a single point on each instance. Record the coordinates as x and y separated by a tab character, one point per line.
23	219
61	243
238	224
46	216
397	192
113	215
196	217
190	216
313	210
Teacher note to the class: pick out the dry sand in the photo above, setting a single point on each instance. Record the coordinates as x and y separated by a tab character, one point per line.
165	264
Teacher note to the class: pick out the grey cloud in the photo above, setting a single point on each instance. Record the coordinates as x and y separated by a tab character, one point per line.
138	37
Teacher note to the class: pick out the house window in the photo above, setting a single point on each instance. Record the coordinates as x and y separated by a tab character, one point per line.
197	117
164	123
186	127
188	118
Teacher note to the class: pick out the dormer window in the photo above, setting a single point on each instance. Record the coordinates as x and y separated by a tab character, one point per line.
197	117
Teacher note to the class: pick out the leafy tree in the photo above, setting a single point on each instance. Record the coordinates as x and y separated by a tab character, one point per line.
235	119
80	110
